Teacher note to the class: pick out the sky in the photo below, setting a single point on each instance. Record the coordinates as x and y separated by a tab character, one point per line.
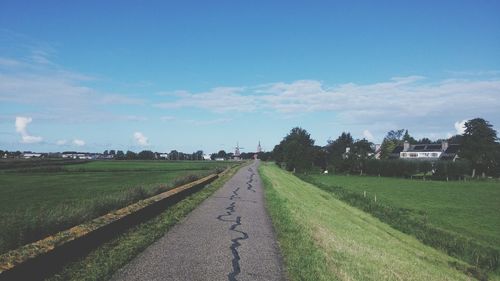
207	75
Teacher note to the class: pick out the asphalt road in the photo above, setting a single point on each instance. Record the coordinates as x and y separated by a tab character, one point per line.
228	237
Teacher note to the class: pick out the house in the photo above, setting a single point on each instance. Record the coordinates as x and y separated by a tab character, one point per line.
78	155
30	154
430	152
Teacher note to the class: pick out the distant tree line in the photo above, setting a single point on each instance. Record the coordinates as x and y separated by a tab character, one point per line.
479	154
222	154
150	155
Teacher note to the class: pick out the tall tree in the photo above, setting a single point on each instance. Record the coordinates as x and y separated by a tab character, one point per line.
296	150
198	155
408	138
479	145
120	155
337	148
390	142
173	155
355	160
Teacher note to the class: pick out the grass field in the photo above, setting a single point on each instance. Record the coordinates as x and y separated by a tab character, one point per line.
469	208
323	238
40	198
102	262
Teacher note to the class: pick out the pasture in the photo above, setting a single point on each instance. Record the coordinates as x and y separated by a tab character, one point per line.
38	198
323	238
468	208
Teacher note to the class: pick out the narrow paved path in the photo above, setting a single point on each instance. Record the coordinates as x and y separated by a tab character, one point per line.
228	237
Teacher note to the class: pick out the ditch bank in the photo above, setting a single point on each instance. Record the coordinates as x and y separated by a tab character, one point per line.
40	259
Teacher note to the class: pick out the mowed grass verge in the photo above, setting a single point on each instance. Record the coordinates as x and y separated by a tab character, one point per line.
459	218
323	238
104	261
38	201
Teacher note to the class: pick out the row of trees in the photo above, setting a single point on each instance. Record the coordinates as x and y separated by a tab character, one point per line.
150	155
479	153
222	154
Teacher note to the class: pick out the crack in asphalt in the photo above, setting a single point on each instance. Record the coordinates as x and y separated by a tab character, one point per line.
250	180
234	242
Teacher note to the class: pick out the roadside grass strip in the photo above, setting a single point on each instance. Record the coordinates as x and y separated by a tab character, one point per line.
323	238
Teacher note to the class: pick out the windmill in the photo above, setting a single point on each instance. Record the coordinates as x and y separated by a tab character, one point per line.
237	151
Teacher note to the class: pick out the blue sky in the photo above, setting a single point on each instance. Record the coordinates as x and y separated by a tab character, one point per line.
186	75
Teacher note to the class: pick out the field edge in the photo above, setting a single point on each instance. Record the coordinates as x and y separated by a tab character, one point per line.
104	261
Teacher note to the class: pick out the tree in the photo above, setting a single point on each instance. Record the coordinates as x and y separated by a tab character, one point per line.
112	152
359	154
105	153
222	154
296	150
130	155
265	156
479	146
146	155
320	157
173	155
120	155
390	142
456	139
337	148
424	141
277	153
198	155
408	138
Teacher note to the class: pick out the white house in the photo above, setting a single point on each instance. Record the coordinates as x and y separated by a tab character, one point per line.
427	151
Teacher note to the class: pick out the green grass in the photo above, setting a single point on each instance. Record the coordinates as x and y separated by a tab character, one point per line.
323	238
101	263
469	208
38	200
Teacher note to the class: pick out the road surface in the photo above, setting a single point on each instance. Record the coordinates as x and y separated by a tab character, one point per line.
228	237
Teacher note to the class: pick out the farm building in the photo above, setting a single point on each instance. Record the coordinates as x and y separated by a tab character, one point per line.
29	154
431	152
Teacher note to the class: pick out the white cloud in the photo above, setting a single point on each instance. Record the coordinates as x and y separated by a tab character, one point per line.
141	139
221	99
34	80
78	142
367	135
61	142
22	128
460	127
399	97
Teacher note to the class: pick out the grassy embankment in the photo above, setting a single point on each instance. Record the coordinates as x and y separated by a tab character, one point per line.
103	262
323	238
460	218
39	198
